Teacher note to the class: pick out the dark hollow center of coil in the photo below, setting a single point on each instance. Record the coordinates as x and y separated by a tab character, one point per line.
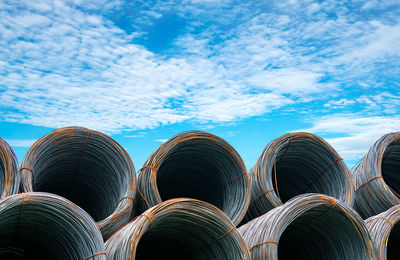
181	238
33	238
391	167
198	170
393	249
307	166
321	233
91	173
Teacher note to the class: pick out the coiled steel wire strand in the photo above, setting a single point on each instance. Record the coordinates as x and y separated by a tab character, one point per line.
88	168
9	177
385	231
294	164
196	165
40	225
309	226
178	229
377	177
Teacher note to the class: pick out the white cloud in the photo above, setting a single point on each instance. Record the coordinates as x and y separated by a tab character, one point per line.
161	140
20	142
354	135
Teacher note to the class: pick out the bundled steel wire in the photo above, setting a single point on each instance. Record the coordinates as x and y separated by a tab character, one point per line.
9	177
385	231
40	225
196	165
88	168
178	229
294	164
377	177
309	226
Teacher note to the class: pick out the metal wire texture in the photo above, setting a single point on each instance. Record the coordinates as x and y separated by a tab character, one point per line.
377	177
385	231
196	165
294	164
309	226
40	225
88	168
179	229
9	177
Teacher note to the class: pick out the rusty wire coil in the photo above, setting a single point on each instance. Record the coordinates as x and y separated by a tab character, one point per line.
294	164
309	226
38	225
88	168
377	177
385	231
196	165
178	229
9	177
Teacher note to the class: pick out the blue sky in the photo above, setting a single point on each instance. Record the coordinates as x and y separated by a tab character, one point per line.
248	71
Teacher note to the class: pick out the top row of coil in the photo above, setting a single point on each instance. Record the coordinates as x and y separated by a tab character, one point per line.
96	173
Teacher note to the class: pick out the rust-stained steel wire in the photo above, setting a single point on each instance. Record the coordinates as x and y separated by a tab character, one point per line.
294	164
309	226
9	177
377	177
196	165
38	225
87	167
178	229
385	231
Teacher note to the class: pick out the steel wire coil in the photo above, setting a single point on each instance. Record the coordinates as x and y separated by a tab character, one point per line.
309	226
88	168
385	231
294	164
196	165
377	177
178	229
40	225
9	177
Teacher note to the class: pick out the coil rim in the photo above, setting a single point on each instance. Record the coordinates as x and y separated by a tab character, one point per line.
9	177
374	187
264	234
185	218
50	222
84	157
331	175
236	184
385	231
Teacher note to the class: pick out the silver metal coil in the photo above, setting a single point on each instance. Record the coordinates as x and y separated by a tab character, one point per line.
88	168
9	177
385	231
294	164
377	177
196	165
40	225
309	226
178	229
